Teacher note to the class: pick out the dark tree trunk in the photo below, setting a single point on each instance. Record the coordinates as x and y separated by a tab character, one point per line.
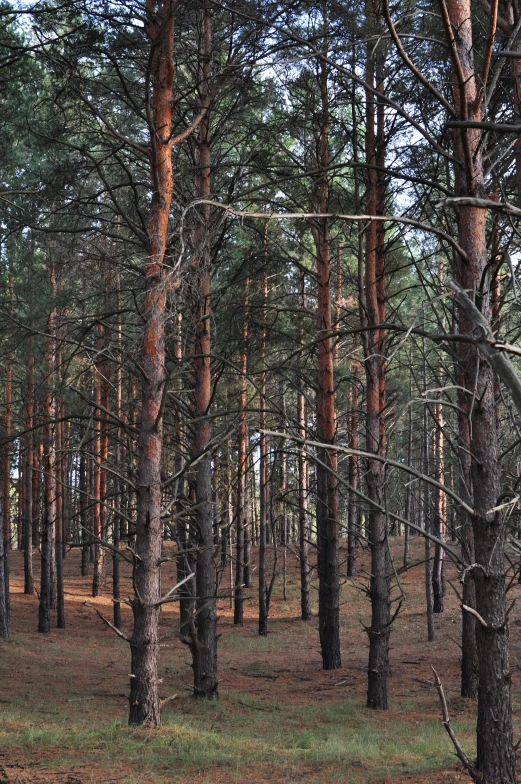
49	513
429	598
438	567
495	751
6	469
379	631
27	511
303	492
98	577
327	463
263	464
118	517
60	593
204	636
84	518
242	466
353	520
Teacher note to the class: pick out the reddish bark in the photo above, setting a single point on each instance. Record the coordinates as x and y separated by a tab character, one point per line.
144	697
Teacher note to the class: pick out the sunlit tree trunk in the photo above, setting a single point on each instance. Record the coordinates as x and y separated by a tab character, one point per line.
144	697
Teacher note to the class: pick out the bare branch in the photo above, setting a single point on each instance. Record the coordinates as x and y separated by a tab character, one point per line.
450	732
109	624
486	343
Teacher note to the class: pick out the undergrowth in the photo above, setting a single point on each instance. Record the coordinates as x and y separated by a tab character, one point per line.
239	733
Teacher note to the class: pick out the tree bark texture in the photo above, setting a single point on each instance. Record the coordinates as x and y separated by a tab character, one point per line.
379	630
242	467
27	511
263	463
495	752
144	697
327	463
49	463
203	633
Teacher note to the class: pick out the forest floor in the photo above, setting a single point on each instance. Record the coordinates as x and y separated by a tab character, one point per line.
279	719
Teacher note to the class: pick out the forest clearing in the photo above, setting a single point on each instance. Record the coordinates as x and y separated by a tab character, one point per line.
280	717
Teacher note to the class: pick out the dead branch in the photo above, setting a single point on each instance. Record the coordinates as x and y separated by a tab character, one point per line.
109	624
450	732
486	343
475	614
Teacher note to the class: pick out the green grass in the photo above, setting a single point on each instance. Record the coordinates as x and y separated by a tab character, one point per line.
240	733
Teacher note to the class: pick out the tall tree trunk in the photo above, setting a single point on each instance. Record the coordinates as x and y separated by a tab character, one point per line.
185	559
353	509
144	697
242	467
263	460
438	567
118	517
49	464
327	463
427	517
98	577
409	491
60	593
495	752
379	631
28	478
303	489
203	636
6	461
83	504
59	470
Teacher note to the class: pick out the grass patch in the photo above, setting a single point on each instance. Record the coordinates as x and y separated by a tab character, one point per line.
238	733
